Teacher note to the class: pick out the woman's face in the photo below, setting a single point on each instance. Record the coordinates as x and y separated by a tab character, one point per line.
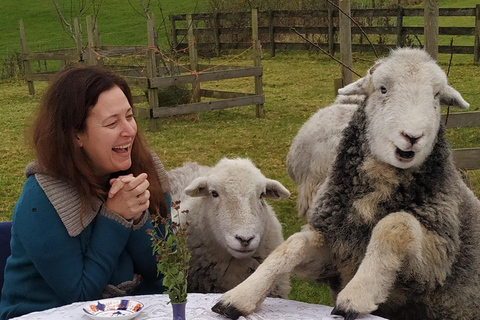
109	133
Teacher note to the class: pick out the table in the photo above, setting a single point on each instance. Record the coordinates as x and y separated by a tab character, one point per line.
199	308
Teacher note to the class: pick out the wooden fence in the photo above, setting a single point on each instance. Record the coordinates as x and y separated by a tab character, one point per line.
152	76
221	31
465	158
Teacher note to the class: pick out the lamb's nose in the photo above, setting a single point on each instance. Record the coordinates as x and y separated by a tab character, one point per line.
244	241
412	138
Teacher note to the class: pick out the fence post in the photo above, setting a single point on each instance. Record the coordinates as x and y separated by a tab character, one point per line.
345	35
431	27
476	48
26	62
257	62
400	42
216	33
192	52
152	93
78	39
331	31
91	54
271	32
174	32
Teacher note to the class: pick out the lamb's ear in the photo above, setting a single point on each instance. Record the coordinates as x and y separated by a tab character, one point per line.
451	97
275	190
361	85
197	188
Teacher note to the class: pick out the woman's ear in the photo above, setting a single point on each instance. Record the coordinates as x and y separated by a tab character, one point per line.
77	140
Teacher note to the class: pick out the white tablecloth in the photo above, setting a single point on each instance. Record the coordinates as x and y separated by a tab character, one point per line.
199	308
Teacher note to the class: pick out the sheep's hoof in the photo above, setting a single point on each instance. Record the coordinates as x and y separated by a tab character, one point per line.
347	315
228	311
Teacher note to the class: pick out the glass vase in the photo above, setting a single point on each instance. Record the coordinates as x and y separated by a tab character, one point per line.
179	310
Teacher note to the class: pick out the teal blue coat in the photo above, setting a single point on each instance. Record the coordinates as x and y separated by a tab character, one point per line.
49	268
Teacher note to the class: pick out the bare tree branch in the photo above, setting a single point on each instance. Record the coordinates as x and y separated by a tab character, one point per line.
356	23
448	72
324	51
67	27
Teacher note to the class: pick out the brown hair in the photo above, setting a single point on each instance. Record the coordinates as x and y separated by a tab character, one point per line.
63	112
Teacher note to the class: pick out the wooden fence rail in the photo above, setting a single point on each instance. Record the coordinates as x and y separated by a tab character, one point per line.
219	31
465	158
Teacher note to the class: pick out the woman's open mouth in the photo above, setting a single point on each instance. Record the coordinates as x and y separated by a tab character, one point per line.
404	156
121	149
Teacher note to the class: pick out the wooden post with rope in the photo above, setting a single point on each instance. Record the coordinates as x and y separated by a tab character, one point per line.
257	62
152	93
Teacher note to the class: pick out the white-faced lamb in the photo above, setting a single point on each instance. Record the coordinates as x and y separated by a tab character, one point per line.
393	230
232	229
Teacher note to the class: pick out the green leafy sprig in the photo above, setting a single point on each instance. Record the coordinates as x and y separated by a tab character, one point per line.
173	256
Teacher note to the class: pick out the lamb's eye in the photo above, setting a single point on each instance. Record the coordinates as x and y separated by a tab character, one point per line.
437	95
383	89
214	194
262	195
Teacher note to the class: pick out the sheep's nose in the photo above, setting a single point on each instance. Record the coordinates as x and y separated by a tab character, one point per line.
244	241
412	138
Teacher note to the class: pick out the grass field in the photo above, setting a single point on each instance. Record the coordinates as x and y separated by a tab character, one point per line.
296	84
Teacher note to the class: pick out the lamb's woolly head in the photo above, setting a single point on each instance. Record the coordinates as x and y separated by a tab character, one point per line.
232	200
404	92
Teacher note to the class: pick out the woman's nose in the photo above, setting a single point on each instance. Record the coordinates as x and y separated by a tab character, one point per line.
129	128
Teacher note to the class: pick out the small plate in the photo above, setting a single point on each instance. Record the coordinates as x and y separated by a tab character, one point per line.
113	308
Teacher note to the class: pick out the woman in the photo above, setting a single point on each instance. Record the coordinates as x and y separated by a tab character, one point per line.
79	226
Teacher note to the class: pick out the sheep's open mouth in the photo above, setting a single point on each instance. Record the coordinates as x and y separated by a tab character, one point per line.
404	155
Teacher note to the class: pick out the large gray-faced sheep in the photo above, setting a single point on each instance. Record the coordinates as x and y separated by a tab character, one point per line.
232	229
393	230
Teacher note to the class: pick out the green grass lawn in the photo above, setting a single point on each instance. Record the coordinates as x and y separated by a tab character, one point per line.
296	84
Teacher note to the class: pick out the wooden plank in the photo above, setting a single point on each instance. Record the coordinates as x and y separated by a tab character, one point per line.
217	94
206	106
50	56
468	158
40	76
462	119
136	81
160	82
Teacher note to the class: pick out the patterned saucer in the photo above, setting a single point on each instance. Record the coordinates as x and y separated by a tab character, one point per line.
113	308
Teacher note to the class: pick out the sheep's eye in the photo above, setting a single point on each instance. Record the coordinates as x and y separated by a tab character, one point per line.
383	89
214	194
262	195
436	95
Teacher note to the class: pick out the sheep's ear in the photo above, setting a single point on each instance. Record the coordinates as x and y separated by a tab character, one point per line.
356	87
275	190
197	188
360	86
451	97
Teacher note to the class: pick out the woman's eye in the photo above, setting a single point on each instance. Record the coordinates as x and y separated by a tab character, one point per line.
111	124
383	89
214	194
130	116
